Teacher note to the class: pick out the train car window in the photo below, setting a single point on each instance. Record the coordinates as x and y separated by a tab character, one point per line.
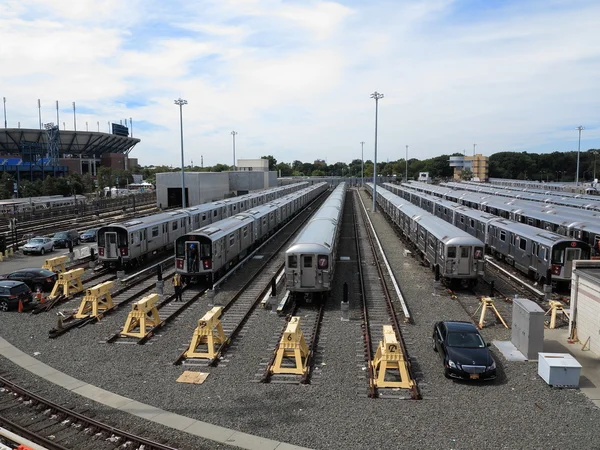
204	216
154	231
174	226
464	252
131	238
231	239
451	252
462	219
245	231
471	223
144	235
503	236
478	253
523	244
572	255
264	221
441	250
323	262
512	239
180	248
307	262
215	213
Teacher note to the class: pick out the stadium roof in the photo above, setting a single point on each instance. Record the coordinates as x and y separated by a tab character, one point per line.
86	143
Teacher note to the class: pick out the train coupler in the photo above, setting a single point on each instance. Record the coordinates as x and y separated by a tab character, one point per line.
143	314
68	283
388	357
209	332
56	264
292	346
97	300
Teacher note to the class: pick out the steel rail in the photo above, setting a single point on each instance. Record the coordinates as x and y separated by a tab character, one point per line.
148	444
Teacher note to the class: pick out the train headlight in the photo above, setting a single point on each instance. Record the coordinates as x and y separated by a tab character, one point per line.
556	269
101	251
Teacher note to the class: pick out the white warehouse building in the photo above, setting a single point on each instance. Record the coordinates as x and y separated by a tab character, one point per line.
585	304
204	187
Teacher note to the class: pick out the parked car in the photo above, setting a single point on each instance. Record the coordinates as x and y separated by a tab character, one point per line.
89	235
35	278
62	238
463	351
13	291
39	245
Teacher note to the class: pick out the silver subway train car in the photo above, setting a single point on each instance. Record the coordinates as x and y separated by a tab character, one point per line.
205	254
456	254
310	259
537	253
127	243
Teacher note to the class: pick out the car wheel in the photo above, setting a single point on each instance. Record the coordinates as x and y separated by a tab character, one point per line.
447	374
3	305
434	347
38	287
42	251
52	248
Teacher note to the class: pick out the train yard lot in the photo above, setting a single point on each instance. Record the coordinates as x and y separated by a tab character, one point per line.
516	411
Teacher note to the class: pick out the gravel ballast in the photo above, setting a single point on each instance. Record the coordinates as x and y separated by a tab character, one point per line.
517	411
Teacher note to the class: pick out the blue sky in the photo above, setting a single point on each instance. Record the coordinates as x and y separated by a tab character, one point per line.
293	78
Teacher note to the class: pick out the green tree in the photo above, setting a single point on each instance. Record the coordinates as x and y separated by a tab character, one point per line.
272	161
49	186
318	173
466	174
29	189
285	168
6	185
88	183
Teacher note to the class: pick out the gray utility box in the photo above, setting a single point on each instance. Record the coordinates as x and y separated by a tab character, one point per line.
559	369
527	327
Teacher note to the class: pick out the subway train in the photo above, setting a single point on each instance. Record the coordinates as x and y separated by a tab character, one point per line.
31	204
207	253
310	259
455	253
532	251
128	243
575	223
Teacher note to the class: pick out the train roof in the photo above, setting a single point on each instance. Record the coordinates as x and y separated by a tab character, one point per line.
438	227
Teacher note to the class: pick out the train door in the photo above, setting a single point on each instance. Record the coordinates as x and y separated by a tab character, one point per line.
307	278
571	254
464	262
112	250
191	257
143	242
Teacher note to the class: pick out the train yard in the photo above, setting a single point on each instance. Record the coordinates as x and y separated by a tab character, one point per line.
378	317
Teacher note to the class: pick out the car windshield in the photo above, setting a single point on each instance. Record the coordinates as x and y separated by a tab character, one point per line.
36	241
92	231
19	288
60	235
465	340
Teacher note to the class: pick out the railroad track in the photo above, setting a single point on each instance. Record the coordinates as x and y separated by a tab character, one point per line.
378	308
168	310
58	428
121	297
238	308
311	319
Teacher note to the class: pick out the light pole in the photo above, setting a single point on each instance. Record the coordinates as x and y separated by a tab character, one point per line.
233	133
180	102
377	96
362	163
595	153
578	150
406	164
474	145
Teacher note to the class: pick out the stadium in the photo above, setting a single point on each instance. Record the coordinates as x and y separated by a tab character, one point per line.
33	154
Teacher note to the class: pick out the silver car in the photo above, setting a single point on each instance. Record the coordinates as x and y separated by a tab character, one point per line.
39	245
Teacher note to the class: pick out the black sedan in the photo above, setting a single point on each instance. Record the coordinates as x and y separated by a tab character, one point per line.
35	278
13	292
89	235
64	238
464	352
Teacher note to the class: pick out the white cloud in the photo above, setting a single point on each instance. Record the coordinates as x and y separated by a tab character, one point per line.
294	78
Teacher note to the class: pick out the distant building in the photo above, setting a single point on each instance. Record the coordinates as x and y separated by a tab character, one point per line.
424	177
320	163
478	164
253	165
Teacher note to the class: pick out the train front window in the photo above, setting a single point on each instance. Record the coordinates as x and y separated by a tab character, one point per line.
180	248
205	250
558	255
101	241
307	262
292	261
478	252
451	252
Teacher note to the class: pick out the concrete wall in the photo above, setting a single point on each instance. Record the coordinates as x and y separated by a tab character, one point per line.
585	302
260	165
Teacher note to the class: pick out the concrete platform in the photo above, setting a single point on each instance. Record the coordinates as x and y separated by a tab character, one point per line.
556	341
148	412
